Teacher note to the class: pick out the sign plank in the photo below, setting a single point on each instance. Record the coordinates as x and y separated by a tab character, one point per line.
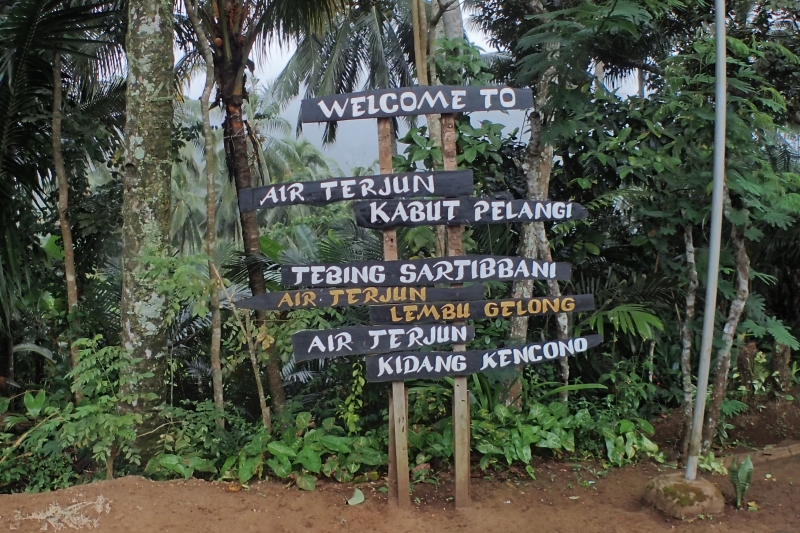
447	184
443	270
423	313
304	299
434	365
314	344
406	101
379	214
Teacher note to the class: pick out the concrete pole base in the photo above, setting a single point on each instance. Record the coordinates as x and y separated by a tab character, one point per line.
674	495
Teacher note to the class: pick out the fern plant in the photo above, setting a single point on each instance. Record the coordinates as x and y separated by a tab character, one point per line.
740	476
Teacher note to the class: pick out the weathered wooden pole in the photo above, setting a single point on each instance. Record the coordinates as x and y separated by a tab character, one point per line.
461	423
398	411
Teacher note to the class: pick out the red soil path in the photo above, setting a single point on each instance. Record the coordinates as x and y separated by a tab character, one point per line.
556	502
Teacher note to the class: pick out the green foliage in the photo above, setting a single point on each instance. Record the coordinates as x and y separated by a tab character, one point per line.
101	423
711	464
740	476
459	62
242	452
183	281
506	433
354	401
99	428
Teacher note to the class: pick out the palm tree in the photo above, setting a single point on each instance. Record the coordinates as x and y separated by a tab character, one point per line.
276	159
233	30
367	47
59	56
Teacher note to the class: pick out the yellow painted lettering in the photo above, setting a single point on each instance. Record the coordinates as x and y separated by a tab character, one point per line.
449	311
554	304
370	294
352	296
336	293
286	300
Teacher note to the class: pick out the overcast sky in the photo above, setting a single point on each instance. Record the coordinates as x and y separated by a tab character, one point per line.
357	140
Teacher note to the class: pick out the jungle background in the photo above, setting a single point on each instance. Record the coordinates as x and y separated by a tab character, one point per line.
122	350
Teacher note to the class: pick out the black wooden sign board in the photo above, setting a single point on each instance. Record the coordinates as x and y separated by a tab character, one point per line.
379	214
423	313
446	184
407	101
434	365
313	344
443	270
346	297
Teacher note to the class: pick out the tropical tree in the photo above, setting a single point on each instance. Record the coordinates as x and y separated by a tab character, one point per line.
233	30
63	58
369	46
674	49
145	209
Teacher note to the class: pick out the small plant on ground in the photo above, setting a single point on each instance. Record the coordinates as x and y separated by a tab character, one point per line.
740	476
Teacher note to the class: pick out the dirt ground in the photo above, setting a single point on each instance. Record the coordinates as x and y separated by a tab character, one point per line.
564	498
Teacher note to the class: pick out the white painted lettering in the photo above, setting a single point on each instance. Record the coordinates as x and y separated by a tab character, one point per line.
328	186
376	337
487	100
385	107
405	106
356	103
457	96
335	106
384	366
300	270
510	99
488	361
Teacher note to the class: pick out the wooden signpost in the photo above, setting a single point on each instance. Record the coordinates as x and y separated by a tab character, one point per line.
407	101
313	344
449	270
435	365
382	186
424	313
304	299
380	214
408	312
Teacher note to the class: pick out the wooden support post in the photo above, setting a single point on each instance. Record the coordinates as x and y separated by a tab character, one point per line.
461	418
398	412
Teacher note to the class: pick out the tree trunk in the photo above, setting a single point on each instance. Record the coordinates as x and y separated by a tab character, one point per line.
538	165
687	336
6	363
782	374
528	247
421	31
211	209
723	362
266	415
66	229
239	162
452	20
146	199
745	358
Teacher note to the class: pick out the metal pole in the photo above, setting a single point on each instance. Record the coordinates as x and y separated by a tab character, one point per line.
714	245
